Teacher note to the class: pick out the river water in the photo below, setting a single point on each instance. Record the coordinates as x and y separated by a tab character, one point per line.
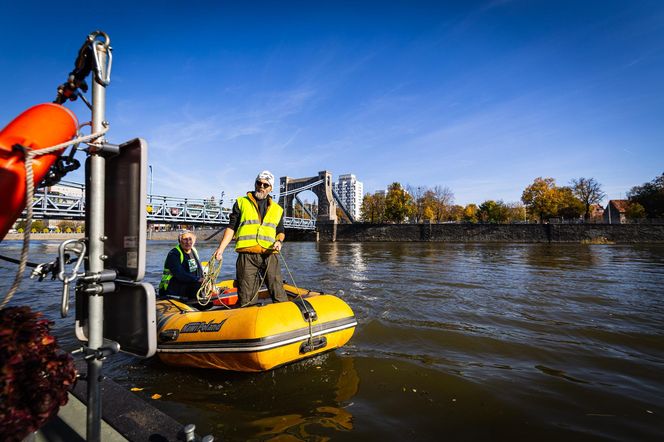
455	342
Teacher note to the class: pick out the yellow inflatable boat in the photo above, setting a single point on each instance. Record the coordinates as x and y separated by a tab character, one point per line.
254	338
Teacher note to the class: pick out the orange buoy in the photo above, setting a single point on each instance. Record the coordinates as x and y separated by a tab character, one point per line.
39	127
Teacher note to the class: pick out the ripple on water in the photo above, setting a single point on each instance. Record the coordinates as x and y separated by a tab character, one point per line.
473	341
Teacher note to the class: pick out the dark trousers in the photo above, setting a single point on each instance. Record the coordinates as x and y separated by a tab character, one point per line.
250	268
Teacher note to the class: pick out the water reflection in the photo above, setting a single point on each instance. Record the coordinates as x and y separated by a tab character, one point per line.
468	341
325	412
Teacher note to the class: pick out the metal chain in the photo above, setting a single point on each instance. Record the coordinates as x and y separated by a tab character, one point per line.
29	195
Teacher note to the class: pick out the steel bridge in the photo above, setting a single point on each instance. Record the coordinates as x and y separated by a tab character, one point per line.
161	209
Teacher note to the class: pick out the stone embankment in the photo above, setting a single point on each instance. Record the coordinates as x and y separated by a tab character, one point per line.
524	233
360	232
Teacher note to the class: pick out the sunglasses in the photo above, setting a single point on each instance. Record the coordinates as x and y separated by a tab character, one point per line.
262	185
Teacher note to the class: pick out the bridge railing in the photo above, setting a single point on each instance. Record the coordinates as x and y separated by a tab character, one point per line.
161	209
166	209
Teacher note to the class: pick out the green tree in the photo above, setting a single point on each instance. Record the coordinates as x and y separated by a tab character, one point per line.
64	225
650	196
635	211
491	211
38	225
541	198
589	192
398	203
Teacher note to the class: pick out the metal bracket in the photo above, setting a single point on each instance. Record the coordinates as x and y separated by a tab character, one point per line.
76	246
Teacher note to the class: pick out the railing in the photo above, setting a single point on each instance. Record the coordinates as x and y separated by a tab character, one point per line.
161	210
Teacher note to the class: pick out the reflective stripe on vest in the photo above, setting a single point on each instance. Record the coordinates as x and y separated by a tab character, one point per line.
167	275
251	231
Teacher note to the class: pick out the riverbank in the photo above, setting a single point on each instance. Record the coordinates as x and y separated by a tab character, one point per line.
507	233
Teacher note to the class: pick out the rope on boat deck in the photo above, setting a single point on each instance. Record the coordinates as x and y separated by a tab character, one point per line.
29	196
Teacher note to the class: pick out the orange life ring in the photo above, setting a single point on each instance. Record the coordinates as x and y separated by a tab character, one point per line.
39	127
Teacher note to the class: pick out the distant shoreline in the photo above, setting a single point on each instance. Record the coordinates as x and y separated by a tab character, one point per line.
506	233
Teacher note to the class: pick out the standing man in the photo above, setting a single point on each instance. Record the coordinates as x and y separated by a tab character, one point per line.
183	272
257	225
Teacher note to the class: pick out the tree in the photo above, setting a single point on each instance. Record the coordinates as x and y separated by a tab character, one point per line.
650	196
541	198
569	206
589	192
470	213
430	205
635	211
417	192
516	212
456	213
444	198
373	208
491	211
398	203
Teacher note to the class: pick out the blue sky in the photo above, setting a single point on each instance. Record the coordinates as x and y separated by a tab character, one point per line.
481	97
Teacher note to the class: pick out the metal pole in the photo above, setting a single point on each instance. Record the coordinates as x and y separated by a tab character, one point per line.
150	184
96	251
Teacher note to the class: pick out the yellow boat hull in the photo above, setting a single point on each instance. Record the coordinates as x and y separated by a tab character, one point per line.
255	338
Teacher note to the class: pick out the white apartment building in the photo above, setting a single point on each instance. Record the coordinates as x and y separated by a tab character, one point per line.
350	192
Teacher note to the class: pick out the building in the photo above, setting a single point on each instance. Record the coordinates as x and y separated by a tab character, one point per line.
615	212
596	213
350	191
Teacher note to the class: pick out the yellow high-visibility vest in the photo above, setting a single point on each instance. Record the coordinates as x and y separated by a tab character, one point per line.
252	231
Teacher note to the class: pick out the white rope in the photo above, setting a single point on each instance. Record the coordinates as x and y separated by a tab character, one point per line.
29	195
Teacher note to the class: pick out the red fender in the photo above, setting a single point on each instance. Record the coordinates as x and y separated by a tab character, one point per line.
39	127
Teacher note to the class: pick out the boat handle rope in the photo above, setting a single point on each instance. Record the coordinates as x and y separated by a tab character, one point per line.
30	154
76	246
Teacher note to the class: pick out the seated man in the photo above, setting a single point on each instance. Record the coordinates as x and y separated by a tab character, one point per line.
183	272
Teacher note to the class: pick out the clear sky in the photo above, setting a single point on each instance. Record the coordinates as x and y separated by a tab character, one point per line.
481	97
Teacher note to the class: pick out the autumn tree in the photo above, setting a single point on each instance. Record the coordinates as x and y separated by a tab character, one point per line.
455	213
430	205
373	208
470	213
589	192
569	206
516	212
650	196
541	198
398	203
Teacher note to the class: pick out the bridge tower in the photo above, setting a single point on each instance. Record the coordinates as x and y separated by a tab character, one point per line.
320	185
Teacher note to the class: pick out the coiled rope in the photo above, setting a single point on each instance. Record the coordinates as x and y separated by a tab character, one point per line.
208	286
30	154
